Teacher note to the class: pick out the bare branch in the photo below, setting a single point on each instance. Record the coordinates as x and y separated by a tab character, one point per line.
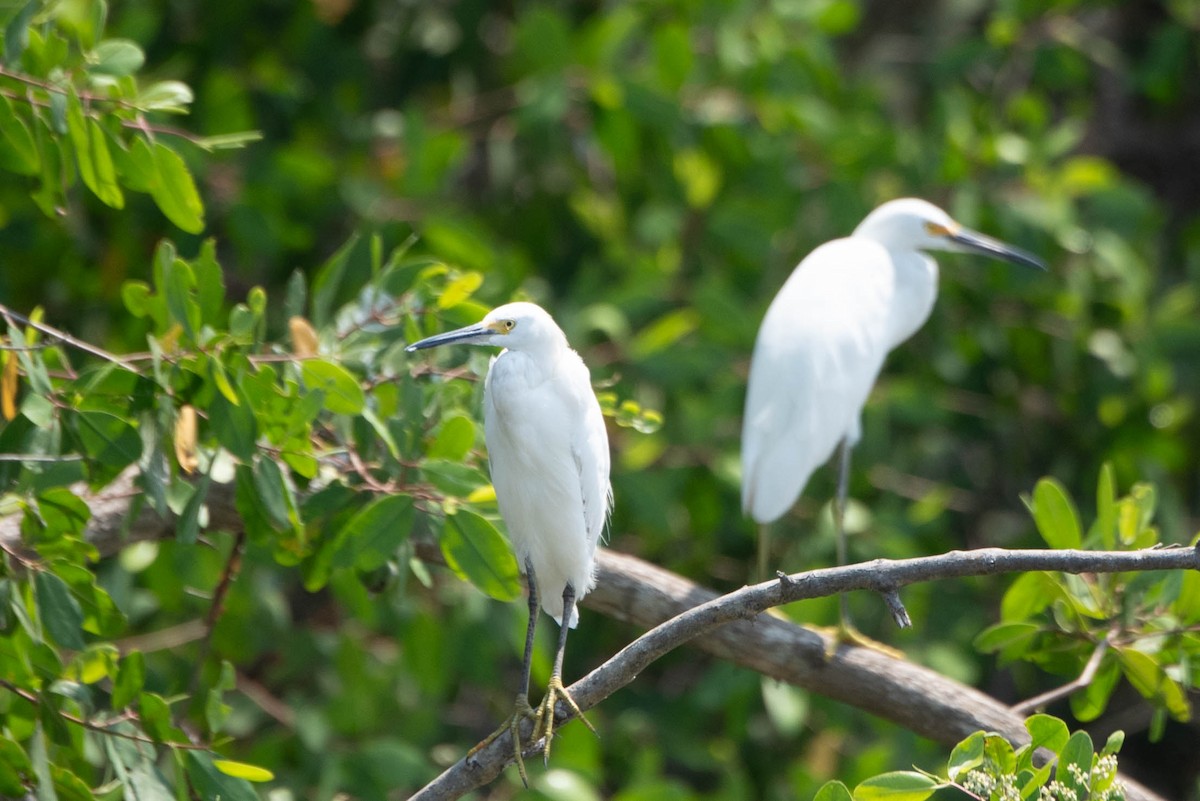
731	627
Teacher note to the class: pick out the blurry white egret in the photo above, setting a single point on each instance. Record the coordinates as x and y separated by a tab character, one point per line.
823	342
548	451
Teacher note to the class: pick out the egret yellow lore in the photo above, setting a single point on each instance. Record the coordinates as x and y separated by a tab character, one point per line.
823	342
548	451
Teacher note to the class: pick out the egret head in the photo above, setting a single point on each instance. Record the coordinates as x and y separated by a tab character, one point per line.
913	224
516	326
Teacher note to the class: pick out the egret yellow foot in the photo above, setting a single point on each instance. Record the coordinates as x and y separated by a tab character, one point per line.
844	633
544	718
521	711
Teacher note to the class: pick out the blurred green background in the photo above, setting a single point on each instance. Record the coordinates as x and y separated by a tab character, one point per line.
651	172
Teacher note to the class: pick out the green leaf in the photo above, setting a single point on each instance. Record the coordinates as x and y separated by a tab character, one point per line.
966	756
117	57
136	165
343	394
1148	678
1078	751
59	611
92	155
131	677
212	783
21	155
175	191
1055	515
234	426
243	770
335	276
16	33
14	763
177	284
1011	640
904	785
62	512
459	289
454	439
1105	526
108	439
1047	731
169	96
1029	595
477	552
833	791
1090	702
41	765
274	493
187	530
375	532
68	786
452	478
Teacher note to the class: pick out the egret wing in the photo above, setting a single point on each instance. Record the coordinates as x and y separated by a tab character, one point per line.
819	350
592	458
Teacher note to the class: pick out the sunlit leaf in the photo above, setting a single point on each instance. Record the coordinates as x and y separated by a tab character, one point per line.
117	57
1055	515
343	394
243	770
896	786
9	381
175	190
210	782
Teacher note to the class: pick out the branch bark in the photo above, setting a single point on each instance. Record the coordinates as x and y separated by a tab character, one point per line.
732	627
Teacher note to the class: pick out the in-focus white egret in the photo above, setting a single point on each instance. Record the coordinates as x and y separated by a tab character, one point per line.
823	342
549	457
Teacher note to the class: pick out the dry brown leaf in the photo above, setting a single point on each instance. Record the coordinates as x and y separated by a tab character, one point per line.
304	337
9	381
185	439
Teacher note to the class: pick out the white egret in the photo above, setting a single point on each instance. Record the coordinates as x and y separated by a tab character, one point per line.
548	451
823	342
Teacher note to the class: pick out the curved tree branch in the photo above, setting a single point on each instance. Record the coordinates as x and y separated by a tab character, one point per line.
731	626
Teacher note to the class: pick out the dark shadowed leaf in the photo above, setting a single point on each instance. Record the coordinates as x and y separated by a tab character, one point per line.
478	552
59	611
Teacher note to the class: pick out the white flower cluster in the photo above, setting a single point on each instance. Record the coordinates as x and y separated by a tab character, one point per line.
984	785
1102	773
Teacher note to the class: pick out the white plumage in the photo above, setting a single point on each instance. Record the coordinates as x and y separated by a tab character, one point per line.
548	450
549	455
825	336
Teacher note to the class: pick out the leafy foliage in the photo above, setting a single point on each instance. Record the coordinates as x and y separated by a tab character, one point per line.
1137	626
650	172
987	767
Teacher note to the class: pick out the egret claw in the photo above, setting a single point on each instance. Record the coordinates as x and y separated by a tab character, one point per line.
543	722
521	711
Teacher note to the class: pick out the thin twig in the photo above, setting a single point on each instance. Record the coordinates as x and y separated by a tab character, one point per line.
100	728
233	566
66	338
1085	678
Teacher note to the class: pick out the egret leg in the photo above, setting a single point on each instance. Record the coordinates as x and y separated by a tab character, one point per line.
846	632
521	708
555	690
764	550
839	522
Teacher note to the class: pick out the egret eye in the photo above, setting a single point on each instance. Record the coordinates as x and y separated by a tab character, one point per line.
509	324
